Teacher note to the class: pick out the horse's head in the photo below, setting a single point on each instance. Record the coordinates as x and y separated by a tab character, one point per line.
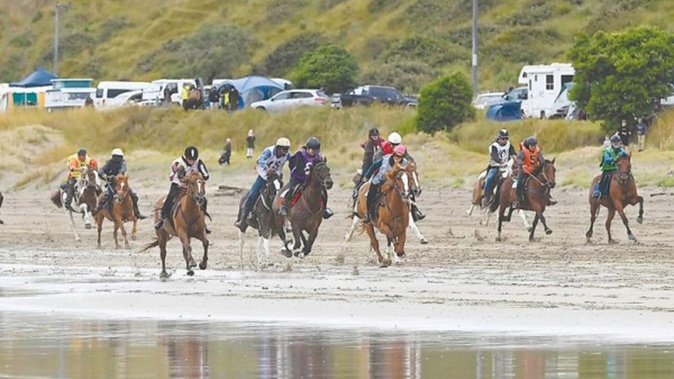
196	187
414	183
400	178
91	177
548	172
321	172
121	187
274	184
624	168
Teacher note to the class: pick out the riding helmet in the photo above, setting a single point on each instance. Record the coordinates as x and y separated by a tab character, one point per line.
118	152
615	138
373	132
503	133
395	138
82	151
283	142
400	150
191	153
531	141
313	143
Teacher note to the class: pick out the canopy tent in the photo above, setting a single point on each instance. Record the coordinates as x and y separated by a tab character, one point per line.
252	88
39	78
507	111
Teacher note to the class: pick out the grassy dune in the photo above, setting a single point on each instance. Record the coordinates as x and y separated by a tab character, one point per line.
36	143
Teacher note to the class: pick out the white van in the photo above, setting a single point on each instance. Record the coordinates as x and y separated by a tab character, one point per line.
154	94
544	84
108	90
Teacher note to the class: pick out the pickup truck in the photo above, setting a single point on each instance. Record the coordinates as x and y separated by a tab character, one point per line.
366	95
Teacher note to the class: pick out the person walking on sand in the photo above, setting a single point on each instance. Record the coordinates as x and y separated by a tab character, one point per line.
641	133
624	133
250	141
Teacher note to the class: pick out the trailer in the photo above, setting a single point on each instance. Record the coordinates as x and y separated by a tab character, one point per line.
544	84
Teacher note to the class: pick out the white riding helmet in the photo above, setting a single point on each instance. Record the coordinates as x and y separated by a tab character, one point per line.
395	138
283	142
118	151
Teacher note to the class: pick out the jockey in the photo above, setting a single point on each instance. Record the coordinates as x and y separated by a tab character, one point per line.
608	164
384	165
371	146
113	167
300	165
77	162
272	159
394	139
499	153
529	157
180	168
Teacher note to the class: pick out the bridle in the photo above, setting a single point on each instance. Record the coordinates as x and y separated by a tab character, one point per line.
196	189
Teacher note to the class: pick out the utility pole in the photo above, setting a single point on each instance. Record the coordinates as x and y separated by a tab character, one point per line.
56	38
474	52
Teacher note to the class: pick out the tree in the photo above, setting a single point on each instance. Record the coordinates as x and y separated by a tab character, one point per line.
445	103
622	75
329	67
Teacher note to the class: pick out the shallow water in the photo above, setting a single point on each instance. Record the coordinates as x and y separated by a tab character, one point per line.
39	345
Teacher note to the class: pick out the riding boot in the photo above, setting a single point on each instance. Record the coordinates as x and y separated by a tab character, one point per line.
70	193
285	202
369	203
327	213
101	204
136	211
417	214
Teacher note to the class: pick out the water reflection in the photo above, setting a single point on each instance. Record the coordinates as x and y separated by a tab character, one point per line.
45	346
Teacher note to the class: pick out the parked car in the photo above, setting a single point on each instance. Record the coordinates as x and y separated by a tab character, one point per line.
484	100
124	99
366	95
295	98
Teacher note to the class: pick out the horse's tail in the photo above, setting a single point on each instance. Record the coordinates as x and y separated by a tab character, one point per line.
56	199
150	245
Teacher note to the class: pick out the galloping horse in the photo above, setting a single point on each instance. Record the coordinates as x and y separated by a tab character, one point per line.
186	222
86	191
476	201
411	181
622	191
122	210
537	195
394	212
306	214
268	221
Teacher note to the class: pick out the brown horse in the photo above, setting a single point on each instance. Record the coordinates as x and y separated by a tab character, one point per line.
268	223
187	221
394	212
85	199
122	210
537	194
622	191
307	214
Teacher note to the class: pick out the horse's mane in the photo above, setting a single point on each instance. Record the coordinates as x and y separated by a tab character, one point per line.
539	168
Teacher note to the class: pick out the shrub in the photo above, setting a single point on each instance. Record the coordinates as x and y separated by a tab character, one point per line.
445	103
329	67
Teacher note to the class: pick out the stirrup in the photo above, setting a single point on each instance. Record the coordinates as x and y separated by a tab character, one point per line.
327	213
159	224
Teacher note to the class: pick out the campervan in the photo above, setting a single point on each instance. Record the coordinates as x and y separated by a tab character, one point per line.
544	84
69	93
108	90
155	93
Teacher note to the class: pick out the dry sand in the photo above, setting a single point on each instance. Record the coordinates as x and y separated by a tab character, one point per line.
461	281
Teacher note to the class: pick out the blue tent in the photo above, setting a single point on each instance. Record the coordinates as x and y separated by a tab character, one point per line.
39	78
507	111
253	88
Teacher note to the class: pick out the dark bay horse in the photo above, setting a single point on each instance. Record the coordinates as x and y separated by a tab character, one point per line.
306	214
121	211
622	192
268	223
187	221
394	212
85	199
537	195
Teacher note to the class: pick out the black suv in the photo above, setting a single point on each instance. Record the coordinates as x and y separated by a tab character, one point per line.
366	95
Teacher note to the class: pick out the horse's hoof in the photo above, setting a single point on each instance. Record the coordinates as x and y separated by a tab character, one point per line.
286	253
423	241
613	242
385	264
163	275
133	237
87	226
640	220
632	238
202	265
190	273
498	239
530	228
191	264
548	231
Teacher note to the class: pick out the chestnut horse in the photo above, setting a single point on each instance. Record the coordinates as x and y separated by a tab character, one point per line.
537	195
306	215
268	223
121	211
187	221
394	212
622	191
85	199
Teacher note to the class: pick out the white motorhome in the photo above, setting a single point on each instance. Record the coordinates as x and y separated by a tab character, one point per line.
544	83
154	93
108	90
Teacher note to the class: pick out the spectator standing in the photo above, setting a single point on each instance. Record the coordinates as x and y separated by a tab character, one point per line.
226	153
641	133
624	133
213	98
233	99
250	141
607	142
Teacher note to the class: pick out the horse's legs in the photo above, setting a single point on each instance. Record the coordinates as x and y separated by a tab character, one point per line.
594	210
119	221
72	224
86	215
99	224
298	238
354	224
204	259
545	225
305	243
640	218
470	210
242	240
162	254
400	247
533	227
187	253
415	229
501	212
621	212
609	218
134	229
310	241
374	243
258	250
523	216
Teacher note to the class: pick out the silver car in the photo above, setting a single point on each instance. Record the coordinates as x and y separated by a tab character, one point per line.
294	98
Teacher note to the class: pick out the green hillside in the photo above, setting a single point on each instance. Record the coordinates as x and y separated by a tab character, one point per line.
400	42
